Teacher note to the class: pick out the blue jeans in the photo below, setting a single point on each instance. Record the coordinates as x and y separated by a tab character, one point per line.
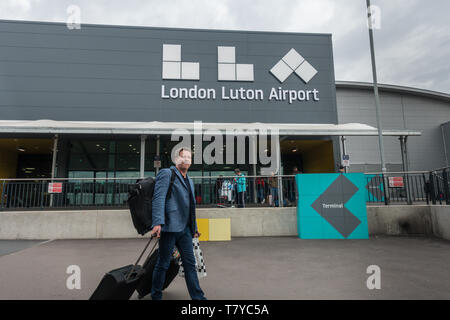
275	196
260	193
241	199
183	241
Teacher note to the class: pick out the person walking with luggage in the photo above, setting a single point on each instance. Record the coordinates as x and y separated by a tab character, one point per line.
174	223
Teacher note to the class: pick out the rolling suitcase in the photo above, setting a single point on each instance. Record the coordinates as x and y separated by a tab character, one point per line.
145	284
119	284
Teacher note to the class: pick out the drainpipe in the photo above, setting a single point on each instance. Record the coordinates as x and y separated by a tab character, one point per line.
445	146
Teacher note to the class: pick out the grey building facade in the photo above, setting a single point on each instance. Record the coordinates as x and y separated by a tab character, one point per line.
115	74
401	108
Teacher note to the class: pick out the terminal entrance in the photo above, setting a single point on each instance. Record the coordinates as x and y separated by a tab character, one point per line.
25	158
99	170
309	156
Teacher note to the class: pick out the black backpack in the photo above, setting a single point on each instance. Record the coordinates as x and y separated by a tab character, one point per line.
140	196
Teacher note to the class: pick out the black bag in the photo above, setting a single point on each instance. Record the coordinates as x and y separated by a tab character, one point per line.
140	197
119	284
145	284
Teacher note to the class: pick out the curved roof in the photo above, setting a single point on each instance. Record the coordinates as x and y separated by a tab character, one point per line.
396	89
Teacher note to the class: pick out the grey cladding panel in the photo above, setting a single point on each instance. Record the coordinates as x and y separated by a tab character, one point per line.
113	73
398	111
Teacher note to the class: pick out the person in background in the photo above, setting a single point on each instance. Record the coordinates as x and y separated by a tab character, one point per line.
427	189
341	169
273	182
240	181
218	188
293	195
260	185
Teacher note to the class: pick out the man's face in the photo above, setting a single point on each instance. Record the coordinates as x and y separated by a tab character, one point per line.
184	160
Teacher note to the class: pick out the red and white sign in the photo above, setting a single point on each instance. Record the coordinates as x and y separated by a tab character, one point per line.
55	187
396	182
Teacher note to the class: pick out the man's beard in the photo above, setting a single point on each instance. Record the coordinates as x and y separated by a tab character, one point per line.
183	168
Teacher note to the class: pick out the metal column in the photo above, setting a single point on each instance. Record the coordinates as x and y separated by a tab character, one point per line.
403	149
253	142
344	151
280	180
375	89
158	141
55	146
142	166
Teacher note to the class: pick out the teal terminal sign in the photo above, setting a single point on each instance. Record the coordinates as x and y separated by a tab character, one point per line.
332	206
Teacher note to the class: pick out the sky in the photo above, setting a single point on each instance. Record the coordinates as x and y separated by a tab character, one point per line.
412	38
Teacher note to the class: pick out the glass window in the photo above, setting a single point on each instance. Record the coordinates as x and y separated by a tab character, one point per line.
128	162
133	146
150	153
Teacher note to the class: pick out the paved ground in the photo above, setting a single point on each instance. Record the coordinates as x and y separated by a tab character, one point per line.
10	246
246	268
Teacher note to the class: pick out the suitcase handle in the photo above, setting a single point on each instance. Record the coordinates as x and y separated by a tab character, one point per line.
142	253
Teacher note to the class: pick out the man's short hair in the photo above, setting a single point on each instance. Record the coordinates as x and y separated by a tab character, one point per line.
179	150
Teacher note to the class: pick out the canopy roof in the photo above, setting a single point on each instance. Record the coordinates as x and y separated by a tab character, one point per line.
156	127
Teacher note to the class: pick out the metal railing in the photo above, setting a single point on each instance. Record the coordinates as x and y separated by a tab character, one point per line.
92	193
231	191
414	187
75	193
430	187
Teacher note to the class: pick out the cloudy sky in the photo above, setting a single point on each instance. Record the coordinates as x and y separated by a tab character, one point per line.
412	44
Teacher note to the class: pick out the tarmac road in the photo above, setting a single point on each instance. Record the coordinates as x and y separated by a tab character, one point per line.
245	268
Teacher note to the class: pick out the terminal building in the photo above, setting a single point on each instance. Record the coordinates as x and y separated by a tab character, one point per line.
102	102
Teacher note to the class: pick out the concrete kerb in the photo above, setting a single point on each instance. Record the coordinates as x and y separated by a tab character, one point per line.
440	218
245	222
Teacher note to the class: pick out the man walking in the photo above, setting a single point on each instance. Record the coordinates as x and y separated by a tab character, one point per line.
174	223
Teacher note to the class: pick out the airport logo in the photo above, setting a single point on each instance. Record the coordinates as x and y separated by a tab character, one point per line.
228	69
174	69
293	62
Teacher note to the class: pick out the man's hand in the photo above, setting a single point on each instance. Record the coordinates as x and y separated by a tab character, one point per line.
197	234
156	230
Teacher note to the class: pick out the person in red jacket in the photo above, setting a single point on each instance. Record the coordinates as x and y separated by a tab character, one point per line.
260	189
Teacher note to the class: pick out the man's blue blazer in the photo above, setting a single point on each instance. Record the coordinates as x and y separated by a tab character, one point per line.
173	213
